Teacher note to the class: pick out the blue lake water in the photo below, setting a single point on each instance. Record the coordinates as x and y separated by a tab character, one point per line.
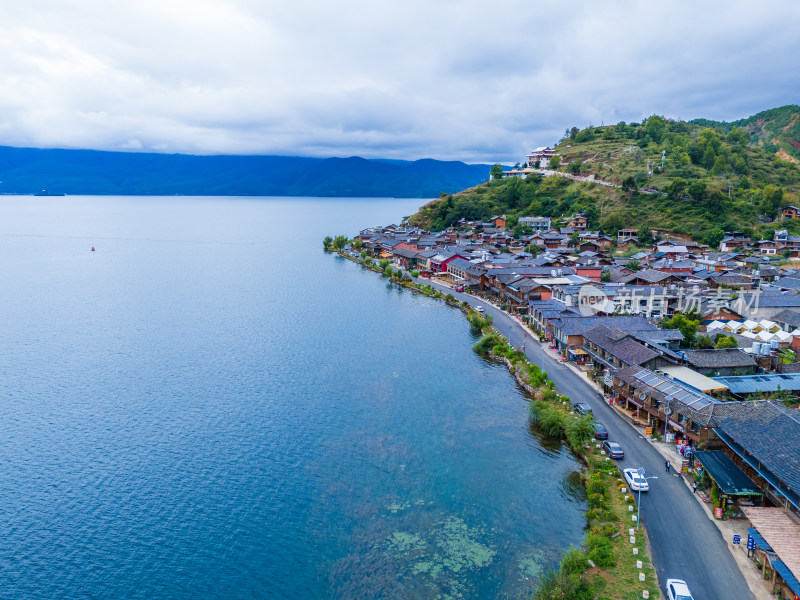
209	406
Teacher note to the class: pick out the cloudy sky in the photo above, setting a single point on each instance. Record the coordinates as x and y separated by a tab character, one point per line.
466	80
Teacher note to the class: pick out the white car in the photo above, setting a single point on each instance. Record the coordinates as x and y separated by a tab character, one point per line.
678	590
636	481
479	309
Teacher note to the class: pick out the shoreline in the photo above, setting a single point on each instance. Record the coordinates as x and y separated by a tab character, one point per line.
596	468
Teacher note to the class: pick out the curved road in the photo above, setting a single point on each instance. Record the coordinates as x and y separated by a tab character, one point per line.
685	544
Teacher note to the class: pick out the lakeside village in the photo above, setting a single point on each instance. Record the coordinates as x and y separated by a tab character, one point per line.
700	345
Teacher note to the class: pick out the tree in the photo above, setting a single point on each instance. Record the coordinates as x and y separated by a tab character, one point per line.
340	241
520	230
606	276
685	324
533	249
714	237
613	223
677	188
709	156
720	166
645	236
704	343
358	243
726	341
327	242
654	128
714	202
737	137
629	184
698	190
633	265
496	171
773	196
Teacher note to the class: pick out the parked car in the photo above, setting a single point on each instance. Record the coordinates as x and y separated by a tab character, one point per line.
479	309
613	449
600	431
678	590
635	480
582	408
459	288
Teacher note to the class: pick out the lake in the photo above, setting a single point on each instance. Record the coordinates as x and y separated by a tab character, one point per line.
210	406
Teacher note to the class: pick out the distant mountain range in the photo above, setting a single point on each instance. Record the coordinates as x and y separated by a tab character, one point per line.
28	170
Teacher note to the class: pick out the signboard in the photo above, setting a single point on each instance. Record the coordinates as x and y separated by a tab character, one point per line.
648	432
737	539
608	379
718	513
751	542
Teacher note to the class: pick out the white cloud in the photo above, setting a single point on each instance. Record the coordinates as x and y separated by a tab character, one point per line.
451	80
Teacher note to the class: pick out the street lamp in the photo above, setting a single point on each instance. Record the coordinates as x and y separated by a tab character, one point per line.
667	412
640	470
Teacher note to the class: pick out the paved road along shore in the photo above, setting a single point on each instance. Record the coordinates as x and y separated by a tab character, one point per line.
685	544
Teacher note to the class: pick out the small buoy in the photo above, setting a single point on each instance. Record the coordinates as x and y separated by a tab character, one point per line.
92	248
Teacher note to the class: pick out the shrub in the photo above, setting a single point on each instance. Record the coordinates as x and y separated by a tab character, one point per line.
580	431
574	561
477	323
415	273
596	486
486	343
552	421
600	550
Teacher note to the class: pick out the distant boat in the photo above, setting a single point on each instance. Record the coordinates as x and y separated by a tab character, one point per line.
46	193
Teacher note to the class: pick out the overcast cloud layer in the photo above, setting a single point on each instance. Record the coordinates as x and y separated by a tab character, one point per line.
466	80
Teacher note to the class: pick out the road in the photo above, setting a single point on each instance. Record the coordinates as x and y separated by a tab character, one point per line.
685	544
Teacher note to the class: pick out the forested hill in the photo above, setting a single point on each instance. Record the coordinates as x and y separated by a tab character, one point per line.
776	130
714	177
27	170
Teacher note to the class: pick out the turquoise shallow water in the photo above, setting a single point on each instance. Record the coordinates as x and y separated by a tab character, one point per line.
209	406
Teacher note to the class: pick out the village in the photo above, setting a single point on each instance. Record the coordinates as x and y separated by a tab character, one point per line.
698	345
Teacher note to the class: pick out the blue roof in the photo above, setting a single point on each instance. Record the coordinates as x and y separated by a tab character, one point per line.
760	541
787	576
751	384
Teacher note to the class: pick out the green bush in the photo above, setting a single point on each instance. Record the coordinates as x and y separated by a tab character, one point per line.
574	561
486	343
600	550
580	431
551	420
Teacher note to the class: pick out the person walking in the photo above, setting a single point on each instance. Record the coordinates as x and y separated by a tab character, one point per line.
694	487
667	466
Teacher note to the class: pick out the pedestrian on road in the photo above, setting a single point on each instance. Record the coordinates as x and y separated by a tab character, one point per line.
668	466
694	487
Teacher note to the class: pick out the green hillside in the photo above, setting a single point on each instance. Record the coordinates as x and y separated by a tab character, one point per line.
715	177
776	130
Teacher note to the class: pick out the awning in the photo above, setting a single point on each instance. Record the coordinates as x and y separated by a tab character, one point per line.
730	478
634	402
760	541
578	352
676	426
787	576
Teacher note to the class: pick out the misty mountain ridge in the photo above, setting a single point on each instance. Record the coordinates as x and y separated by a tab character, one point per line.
29	170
